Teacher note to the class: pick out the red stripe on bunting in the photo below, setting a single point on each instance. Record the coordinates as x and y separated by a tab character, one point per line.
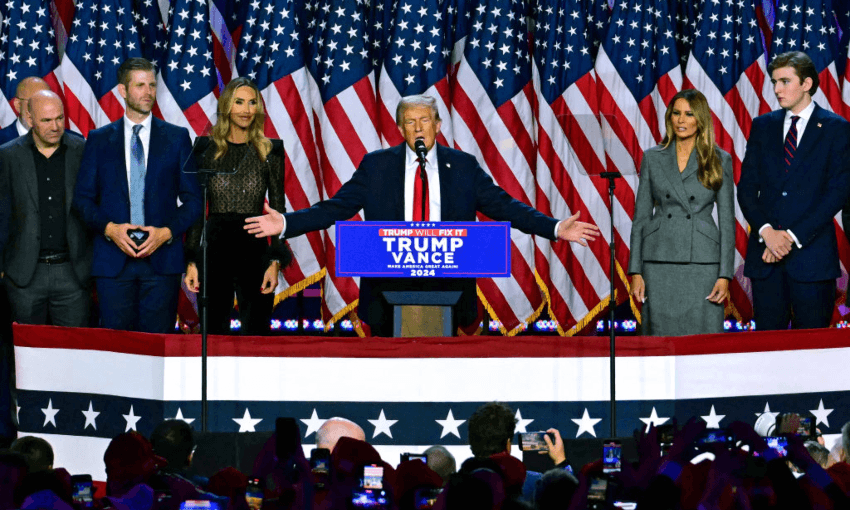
148	344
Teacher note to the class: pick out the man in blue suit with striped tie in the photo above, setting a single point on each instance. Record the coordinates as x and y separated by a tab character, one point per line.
131	176
794	179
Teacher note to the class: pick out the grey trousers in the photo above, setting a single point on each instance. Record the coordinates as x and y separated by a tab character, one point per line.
53	292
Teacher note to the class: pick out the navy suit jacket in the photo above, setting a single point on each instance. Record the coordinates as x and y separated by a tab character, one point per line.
102	193
9	133
804	199
377	187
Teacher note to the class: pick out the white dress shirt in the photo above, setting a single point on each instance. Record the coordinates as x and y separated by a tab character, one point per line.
802	122
411	173
411	169
22	130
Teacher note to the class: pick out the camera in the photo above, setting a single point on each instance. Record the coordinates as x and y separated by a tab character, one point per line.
533	441
371	494
612	452
414	456
254	494
320	467
713	438
82	491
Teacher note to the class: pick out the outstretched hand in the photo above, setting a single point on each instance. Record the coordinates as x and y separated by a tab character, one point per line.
576	231
269	224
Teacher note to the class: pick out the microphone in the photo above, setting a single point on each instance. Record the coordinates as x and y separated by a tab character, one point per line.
421	151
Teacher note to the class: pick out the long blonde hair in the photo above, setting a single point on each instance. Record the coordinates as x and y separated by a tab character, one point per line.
255	131
710	173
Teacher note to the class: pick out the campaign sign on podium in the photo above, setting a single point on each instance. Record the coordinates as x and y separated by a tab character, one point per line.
399	249
442	249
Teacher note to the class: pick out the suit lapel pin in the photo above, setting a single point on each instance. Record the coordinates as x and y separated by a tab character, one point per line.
448	165
820	125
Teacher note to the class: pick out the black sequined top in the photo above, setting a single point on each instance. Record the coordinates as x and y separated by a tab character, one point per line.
242	192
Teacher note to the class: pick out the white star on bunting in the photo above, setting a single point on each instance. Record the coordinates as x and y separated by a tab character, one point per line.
246	423
450	425
313	423
654	419
712	421
586	424
382	425
91	415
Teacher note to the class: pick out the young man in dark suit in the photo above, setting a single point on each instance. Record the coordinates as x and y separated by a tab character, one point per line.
385	188
794	179
132	174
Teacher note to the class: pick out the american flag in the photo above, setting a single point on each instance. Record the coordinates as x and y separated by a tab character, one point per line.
686	16
226	18
187	79
332	111
569	149
810	26
78	388
344	106
152	34
62	13
493	119
727	64
103	35
270	54
416	60
27	48
638	72
598	15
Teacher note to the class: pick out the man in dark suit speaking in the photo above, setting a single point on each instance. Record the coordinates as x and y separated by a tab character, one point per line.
794	179
388	186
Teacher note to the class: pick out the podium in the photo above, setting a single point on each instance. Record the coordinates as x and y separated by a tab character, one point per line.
423	313
398	249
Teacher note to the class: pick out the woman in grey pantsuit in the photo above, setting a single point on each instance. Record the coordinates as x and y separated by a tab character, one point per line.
681	260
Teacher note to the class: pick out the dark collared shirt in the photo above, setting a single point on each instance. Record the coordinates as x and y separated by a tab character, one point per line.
50	175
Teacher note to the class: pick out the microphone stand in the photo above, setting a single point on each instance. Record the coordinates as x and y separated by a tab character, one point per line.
204	175
612	304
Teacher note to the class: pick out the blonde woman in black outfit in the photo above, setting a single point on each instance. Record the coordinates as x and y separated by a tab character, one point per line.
252	167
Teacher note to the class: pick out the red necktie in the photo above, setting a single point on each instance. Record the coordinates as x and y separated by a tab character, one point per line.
420	196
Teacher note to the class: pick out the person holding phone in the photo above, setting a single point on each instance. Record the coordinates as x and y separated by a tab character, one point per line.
681	260
249	166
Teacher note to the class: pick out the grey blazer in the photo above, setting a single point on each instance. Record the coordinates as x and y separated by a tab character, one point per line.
673	222
17	168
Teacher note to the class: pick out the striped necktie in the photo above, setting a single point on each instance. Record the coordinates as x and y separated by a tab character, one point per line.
791	142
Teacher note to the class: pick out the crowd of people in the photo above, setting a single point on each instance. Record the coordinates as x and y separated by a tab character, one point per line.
682	470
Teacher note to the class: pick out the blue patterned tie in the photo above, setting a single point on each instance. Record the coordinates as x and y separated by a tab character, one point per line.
791	142
137	178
